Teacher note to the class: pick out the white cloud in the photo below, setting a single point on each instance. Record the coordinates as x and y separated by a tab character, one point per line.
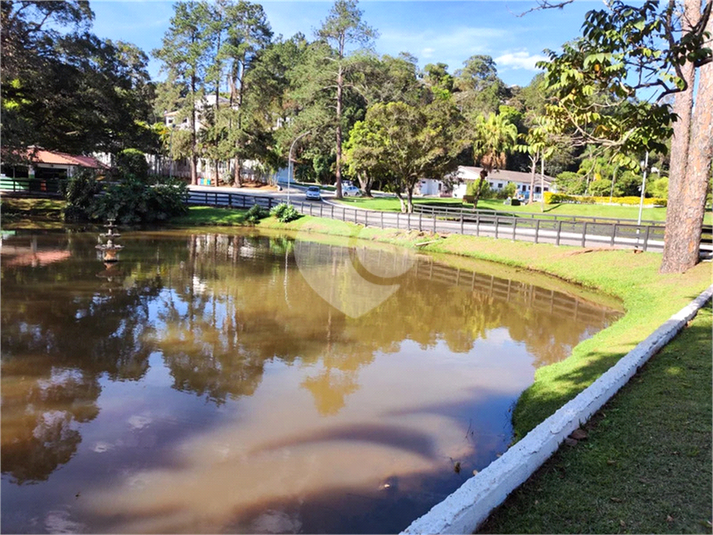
463	41
520	59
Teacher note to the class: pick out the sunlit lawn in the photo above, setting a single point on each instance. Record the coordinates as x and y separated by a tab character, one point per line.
646	464
591	210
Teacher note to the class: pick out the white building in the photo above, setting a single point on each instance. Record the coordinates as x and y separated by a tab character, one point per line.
497	180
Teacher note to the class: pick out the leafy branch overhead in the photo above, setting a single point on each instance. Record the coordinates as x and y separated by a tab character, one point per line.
611	83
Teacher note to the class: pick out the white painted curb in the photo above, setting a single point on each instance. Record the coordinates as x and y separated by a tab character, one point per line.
465	509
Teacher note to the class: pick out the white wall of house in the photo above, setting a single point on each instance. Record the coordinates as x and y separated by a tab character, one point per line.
430	186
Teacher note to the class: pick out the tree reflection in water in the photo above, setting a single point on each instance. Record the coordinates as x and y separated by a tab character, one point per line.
217	310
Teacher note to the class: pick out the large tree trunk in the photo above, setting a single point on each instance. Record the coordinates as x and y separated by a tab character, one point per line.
409	198
483	176
683	224
340	83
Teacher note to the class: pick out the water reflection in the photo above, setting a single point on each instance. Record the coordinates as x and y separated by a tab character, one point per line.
245	391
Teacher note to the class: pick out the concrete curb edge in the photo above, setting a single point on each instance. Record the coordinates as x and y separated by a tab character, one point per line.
471	504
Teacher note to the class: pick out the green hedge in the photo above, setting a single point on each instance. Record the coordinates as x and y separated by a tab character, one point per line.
556	198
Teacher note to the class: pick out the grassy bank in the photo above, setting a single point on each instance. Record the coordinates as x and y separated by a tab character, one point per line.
31	213
648	297
590	210
645	466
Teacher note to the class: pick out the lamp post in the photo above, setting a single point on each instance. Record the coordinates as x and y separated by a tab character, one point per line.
290	167
645	166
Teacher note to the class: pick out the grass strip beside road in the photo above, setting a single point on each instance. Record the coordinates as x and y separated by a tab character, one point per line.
645	466
391	204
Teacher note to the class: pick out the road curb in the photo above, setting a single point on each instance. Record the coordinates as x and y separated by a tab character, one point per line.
469	506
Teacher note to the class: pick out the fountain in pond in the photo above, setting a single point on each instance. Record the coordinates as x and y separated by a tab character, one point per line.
110	249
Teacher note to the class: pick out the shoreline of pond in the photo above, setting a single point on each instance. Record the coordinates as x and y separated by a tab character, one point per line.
648	298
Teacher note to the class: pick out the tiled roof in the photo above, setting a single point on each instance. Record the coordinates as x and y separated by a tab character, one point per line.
466	172
38	155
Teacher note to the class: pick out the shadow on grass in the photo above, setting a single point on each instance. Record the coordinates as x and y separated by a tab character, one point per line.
544	397
645	466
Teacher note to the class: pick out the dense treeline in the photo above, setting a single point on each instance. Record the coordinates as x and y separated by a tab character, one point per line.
240	94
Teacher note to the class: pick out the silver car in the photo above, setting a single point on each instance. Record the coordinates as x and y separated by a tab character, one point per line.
313	193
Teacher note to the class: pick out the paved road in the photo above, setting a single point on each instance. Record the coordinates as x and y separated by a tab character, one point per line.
561	233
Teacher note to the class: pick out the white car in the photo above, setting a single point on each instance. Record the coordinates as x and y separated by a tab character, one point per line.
313	193
350	191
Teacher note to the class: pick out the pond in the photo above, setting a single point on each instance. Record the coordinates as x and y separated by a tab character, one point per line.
232	381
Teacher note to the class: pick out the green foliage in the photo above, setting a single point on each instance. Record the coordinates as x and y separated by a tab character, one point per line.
494	137
402	143
129	202
133	202
477	87
132	164
285	213
571	183
599	80
64	88
509	190
658	188
79	193
557	198
599	188
256	213
628	184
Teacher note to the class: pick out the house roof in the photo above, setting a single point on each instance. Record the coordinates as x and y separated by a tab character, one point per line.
38	155
466	172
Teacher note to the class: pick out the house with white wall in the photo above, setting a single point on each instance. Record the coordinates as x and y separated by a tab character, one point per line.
497	180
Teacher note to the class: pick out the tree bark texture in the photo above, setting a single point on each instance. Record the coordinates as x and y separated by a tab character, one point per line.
691	155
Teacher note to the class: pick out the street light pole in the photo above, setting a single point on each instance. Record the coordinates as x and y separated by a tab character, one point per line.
643	187
290	167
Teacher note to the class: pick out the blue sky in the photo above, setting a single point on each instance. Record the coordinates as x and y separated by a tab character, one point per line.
433	31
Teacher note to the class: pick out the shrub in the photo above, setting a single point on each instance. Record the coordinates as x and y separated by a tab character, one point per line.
572	183
509	190
658	188
256	213
600	187
285	213
133	202
132	163
556	198
79	192
486	191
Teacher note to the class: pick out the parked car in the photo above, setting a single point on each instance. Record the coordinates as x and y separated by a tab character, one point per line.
313	193
350	191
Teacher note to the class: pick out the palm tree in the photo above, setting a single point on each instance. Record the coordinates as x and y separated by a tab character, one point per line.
495	136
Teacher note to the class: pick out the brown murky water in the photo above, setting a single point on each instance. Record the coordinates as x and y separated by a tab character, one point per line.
247	383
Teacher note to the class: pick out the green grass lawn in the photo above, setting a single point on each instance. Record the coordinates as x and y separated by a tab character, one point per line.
590	210
646	464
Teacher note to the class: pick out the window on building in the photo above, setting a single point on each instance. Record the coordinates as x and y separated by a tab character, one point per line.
500	185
